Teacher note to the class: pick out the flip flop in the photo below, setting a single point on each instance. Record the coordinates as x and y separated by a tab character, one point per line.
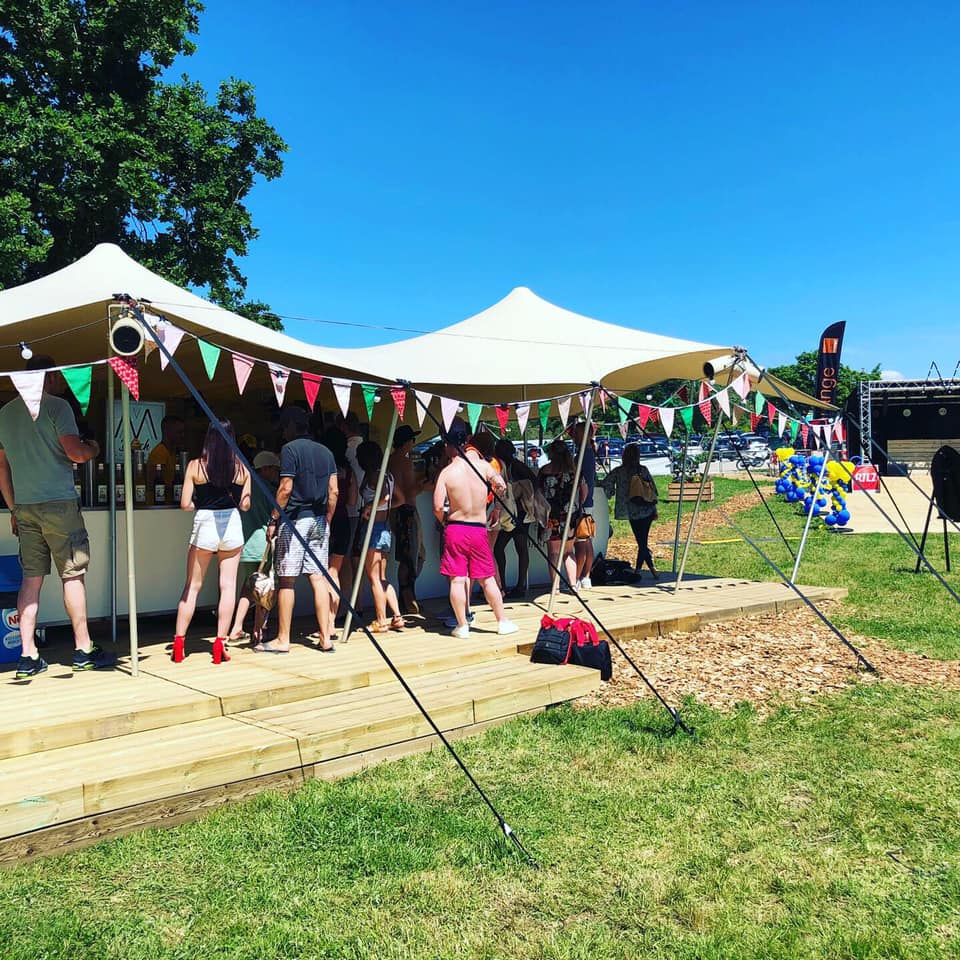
262	648
330	649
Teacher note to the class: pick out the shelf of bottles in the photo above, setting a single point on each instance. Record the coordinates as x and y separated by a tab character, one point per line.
150	492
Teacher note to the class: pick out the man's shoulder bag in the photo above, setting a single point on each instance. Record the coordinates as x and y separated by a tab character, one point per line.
261	582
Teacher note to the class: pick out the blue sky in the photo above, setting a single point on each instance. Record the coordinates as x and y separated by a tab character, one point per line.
738	173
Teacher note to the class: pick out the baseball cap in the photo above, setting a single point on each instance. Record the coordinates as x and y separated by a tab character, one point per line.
265	459
402	434
457	433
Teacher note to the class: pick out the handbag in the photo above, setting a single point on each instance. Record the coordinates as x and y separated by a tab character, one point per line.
261	582
643	489
584	527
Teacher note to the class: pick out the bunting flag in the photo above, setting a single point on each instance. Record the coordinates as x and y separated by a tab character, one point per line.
794	428
279	376
503	415
399	395
804	433
341	390
624	406
813	437
682	394
149	344
742	386
563	408
423	403
29	385
523	414
643	414
210	354
585	401
704	391
170	337
311	387
838	430
544	407
758	401
754	421
79	380
473	415
603	400
448	410
706	411
623	426
723	400
666	419
369	398
686	417
242	368
734	414
771	413
653	415
126	369
781	423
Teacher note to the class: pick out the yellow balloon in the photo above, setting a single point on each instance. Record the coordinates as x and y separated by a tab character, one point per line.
784	453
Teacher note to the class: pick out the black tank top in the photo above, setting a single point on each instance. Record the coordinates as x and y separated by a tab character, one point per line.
208	496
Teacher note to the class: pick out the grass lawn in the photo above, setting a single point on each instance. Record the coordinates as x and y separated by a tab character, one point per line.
766	839
887	600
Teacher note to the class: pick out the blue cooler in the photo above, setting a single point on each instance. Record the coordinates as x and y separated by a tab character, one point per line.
10	577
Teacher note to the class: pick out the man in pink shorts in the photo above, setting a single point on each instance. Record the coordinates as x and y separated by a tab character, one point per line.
460	499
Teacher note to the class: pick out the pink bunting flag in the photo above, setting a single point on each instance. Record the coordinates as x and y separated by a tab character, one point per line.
503	415
781	423
399	395
448	410
341	389
523	414
279	377
126	369
29	385
666	419
771	413
563	408
704	390
838	431
742	385
603	400
423	402
723	400
170	337
311	387
585	400
706	411
242	368
643	414
623	427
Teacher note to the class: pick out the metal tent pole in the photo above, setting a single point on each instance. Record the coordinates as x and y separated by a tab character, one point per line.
806	526
683	483
112	501
131	544
555	583
358	580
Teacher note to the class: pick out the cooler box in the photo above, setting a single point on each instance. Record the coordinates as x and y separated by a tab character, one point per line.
10	577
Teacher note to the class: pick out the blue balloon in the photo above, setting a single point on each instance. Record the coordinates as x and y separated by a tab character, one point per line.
792	496
830	519
843	516
816	511
821	502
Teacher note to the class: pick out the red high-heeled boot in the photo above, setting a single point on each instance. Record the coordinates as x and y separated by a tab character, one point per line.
220	650
177	654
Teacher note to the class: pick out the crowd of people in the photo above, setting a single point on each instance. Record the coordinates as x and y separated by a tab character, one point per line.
485	500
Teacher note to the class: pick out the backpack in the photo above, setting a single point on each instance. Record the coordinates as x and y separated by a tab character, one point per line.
609	573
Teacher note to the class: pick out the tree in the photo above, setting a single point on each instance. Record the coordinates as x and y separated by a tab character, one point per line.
802	374
95	145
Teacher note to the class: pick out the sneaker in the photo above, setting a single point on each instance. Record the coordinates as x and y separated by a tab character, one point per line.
462	633
451	621
586	584
28	667
506	627
94	659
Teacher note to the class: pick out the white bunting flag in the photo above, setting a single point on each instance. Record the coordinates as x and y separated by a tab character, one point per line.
723	399
666	419
742	385
279	377
623	427
814	437
448	410
29	385
781	422
423	402
341	390
734	414
585	400
563	408
523	414
149	344
170	337
838	430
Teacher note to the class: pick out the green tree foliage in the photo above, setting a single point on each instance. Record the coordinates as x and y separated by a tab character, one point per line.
96	146
802	374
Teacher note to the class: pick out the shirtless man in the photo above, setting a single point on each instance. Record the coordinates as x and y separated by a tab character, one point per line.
404	521
466	547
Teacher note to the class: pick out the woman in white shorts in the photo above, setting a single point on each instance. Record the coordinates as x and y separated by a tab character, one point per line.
217	486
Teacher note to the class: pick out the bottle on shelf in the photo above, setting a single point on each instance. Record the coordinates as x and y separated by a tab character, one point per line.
177	483
159	487
121	489
103	492
139	484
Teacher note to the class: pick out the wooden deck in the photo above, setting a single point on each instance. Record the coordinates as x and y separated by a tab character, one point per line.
90	755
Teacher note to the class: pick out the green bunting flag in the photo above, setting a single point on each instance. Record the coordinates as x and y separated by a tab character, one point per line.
473	415
624	406
544	407
369	393
211	355
794	427
79	380
758	401
686	415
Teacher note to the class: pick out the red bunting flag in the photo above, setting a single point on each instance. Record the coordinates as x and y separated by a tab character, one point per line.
682	394
399	395
706	411
503	415
654	415
704	390
771	412
643	414
754	421
804	433
126	369
311	387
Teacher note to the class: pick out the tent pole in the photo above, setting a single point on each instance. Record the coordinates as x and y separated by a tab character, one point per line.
358	579
703	484
555	582
131	545
112	502
806	526
683	483
523	395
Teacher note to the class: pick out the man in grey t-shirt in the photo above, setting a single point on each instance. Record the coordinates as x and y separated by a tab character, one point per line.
36	480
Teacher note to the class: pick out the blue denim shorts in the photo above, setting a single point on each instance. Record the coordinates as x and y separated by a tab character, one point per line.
380	538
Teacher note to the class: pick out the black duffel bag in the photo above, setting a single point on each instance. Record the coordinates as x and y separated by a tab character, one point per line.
553	642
